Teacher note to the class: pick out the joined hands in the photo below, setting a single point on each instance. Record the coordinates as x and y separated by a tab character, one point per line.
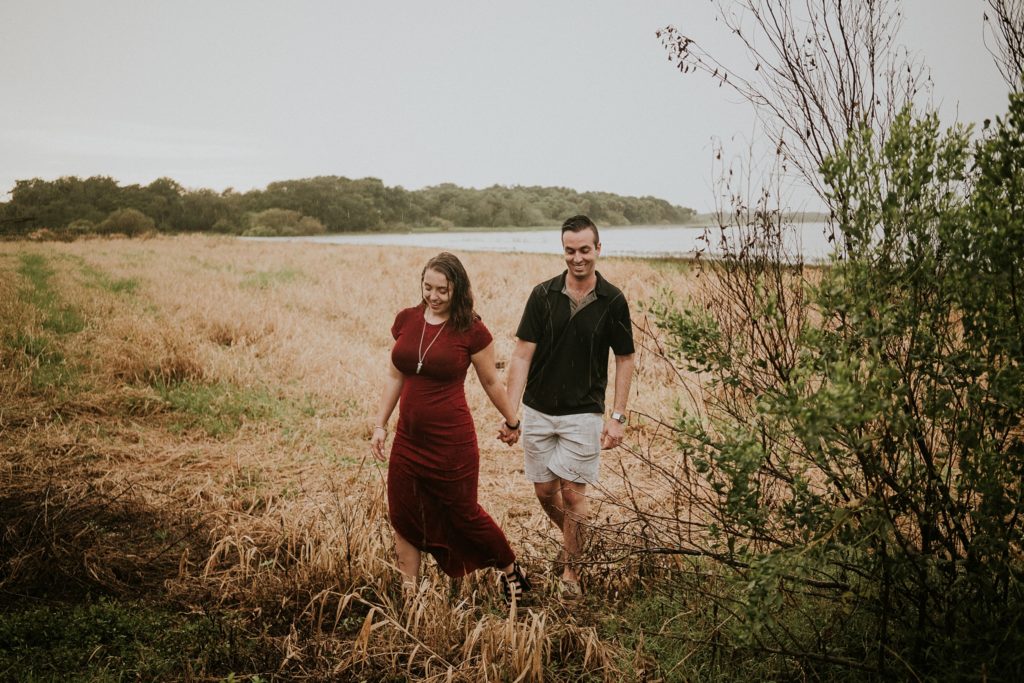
508	436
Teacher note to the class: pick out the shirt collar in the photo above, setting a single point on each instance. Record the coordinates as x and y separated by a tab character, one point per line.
558	284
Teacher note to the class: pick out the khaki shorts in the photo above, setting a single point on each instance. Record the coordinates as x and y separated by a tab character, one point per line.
561	446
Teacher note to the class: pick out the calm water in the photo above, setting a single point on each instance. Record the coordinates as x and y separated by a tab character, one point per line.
661	241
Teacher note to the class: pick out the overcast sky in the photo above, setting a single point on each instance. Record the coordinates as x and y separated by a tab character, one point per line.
239	93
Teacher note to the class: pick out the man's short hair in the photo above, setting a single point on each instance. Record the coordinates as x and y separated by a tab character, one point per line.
580	222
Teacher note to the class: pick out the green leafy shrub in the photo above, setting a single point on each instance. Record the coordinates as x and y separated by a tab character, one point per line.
80	227
857	462
282	223
227	226
130	222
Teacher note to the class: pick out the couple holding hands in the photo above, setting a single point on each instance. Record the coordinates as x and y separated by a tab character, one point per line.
558	369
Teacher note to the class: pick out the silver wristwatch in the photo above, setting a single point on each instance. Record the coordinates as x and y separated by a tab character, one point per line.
619	417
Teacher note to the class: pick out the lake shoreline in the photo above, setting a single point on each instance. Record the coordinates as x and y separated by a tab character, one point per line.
675	242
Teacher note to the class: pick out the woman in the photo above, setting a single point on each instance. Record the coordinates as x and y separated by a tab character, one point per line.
434	465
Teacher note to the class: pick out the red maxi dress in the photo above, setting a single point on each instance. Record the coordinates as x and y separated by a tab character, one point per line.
434	465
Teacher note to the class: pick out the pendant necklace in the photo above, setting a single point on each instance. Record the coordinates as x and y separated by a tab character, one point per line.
423	353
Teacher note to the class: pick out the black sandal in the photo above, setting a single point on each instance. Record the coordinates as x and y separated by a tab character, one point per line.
515	583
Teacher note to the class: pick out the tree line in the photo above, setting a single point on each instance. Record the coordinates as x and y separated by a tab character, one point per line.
309	205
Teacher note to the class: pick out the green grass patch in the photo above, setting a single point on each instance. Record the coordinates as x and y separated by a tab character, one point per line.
44	359
680	637
672	266
271	278
111	640
97	278
658	625
42	353
58	317
39	350
220	408
63	320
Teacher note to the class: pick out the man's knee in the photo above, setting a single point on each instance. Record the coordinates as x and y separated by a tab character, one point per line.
547	492
574	495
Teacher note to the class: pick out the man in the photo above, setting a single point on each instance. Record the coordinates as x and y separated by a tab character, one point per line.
561	360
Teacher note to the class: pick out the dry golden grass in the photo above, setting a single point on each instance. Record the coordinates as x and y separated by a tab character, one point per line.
281	514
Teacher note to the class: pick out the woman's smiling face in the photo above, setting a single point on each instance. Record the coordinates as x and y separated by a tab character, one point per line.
436	292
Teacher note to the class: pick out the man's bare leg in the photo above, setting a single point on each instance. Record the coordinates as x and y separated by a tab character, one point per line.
574	499
565	503
549	493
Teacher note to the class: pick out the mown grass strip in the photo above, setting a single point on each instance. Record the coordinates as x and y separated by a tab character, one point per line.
49	367
41	352
58	317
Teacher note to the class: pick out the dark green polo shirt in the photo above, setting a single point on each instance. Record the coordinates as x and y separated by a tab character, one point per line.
569	371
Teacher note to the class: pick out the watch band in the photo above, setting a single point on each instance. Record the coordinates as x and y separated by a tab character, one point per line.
619	417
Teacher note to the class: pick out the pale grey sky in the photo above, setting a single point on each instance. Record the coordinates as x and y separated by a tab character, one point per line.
574	93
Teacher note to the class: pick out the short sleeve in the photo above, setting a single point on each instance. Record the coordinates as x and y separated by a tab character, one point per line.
396	327
479	337
622	328
531	325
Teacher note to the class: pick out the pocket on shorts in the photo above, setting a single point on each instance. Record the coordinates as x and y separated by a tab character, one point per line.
580	446
579	449
584	439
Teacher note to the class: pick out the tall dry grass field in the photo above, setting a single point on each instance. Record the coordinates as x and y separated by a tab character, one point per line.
186	420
